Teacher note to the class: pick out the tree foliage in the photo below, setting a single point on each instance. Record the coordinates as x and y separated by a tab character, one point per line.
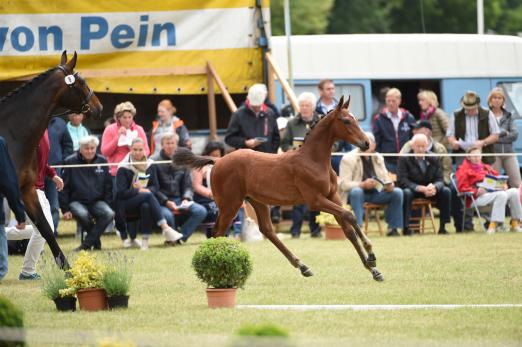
397	16
308	17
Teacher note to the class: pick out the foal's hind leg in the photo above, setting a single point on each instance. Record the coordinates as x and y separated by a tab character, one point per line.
265	226
226	214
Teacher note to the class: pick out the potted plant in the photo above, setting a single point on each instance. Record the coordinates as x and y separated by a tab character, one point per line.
53	281
116	281
224	265
332	229
85	279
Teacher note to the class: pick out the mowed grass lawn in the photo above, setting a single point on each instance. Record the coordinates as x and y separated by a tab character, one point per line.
168	303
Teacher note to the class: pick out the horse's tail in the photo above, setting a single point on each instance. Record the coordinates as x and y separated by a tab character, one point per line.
185	157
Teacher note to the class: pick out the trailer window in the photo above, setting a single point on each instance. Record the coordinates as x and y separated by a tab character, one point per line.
355	90
513	91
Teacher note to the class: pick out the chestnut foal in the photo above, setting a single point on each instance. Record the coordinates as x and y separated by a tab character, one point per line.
301	176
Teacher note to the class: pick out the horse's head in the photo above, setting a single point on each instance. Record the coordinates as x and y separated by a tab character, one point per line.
347	127
76	95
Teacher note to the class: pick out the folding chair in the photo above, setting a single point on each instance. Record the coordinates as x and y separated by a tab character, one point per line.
463	198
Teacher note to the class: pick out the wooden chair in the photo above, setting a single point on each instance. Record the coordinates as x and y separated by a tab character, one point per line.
368	208
419	223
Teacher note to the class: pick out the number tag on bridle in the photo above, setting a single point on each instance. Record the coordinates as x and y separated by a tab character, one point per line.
69	80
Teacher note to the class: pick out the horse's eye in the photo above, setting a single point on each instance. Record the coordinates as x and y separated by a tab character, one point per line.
346	121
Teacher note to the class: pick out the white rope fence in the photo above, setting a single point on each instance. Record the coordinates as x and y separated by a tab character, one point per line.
333	154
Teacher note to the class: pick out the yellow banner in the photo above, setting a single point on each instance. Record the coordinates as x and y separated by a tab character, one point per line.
171	40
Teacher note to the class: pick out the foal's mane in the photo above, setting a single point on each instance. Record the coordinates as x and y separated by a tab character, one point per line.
314	123
26	85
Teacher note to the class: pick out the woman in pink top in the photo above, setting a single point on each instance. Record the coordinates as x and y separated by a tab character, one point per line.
118	136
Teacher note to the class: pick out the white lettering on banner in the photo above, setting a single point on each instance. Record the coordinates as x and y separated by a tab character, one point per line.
41	34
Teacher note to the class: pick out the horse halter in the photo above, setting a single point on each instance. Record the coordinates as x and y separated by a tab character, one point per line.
70	81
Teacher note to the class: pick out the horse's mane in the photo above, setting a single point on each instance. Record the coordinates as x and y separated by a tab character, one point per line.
26	85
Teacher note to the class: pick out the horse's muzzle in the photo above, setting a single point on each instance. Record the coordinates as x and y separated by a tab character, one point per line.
96	111
363	145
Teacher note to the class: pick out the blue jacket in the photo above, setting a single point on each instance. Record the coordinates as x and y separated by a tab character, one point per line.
59	140
386	139
9	186
86	185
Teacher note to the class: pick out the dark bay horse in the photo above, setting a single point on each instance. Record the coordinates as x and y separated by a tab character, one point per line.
24	116
301	176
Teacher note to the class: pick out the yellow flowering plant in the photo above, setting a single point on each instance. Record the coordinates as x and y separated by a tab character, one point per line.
85	273
324	218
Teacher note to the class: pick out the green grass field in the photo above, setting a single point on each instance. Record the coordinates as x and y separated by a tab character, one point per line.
168	304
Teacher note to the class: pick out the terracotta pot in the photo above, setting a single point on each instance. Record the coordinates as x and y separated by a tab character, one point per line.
92	299
221	297
65	304
120	301
333	232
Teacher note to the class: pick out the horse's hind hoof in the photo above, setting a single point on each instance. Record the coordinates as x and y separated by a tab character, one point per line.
305	270
377	275
371	261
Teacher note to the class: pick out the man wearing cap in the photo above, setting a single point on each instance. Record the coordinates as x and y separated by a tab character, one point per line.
254	124
364	178
424	127
473	126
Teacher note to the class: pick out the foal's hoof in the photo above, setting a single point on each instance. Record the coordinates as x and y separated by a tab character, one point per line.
371	261
305	271
377	275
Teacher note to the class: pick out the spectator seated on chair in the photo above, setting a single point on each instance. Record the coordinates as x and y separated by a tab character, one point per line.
469	176
172	187
421	176
87	192
424	127
203	192
134	196
364	178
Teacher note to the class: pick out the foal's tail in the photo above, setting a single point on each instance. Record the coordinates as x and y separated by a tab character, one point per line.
185	157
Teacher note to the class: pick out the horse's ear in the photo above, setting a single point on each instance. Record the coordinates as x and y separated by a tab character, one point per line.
72	63
340	104
64	58
347	103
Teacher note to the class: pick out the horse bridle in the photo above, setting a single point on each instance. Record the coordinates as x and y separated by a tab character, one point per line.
70	81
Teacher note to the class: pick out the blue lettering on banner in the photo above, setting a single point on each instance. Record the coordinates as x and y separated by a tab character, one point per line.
122	31
85	30
16	39
43	34
92	28
171	34
3	35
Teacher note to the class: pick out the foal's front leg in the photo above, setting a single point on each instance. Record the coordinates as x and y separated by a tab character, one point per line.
372	260
346	219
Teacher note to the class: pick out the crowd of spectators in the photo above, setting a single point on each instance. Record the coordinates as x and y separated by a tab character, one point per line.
144	188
